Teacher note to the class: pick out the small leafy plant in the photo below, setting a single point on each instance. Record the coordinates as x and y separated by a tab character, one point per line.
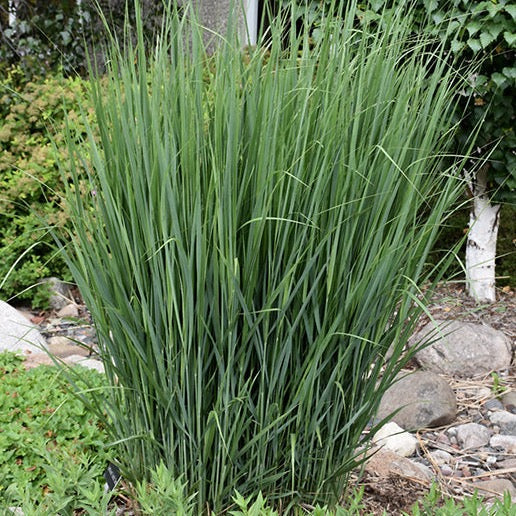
52	449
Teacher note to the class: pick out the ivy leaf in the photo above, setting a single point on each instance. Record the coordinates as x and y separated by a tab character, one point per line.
456	46
474	44
486	38
65	35
509	72
376	5
430	5
510	37
498	79
494	9
494	29
511	9
473	27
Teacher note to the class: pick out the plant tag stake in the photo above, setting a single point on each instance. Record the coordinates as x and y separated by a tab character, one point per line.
112	476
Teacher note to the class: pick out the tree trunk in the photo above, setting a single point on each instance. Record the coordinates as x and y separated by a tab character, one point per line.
481	245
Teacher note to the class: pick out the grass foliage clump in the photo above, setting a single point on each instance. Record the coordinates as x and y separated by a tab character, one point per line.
259	225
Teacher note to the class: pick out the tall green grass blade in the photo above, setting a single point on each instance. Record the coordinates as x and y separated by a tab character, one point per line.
260	226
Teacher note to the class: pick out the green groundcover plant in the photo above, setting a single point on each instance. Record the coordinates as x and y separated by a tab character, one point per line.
254	246
52	448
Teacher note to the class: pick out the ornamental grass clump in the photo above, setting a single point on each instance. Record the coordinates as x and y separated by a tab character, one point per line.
259	225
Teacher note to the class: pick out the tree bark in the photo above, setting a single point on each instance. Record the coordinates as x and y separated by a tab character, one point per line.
481	244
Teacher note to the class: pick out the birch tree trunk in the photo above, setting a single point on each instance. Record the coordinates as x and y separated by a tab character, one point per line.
481	245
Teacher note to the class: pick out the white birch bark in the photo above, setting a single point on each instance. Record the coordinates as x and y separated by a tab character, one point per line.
481	244
12	4
251	21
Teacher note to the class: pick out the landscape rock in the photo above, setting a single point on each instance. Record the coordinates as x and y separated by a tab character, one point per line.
462	349
392	437
472	435
493	404
441	457
426	398
90	363
64	347
60	293
505	442
505	420
70	310
509	401
507	463
446	470
498	486
385	463
37	359
17	334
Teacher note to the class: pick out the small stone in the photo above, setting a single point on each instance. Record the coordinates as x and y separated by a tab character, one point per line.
505	420
64	347
472	435
68	311
462	349
61	293
441	457
496	486
506	463
37	359
443	439
392	437
509	401
90	363
491	460
493	404
425	399
466	472
385	463
483	392
505	442
446	470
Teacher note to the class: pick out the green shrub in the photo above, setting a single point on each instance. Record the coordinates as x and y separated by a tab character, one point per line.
254	248
31	115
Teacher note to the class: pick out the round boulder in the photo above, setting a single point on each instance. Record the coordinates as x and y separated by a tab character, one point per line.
17	334
462	349
425	399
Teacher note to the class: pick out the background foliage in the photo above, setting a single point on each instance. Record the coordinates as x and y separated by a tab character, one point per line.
484	31
31	114
57	34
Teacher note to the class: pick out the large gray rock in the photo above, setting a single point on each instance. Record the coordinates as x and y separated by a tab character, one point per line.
463	349
17	334
426	398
